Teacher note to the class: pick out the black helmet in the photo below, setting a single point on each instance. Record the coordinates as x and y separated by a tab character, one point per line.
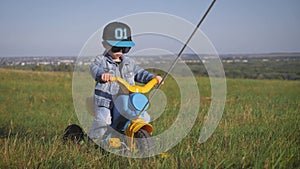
74	133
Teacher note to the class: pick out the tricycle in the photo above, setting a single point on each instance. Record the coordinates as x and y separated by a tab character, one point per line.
130	130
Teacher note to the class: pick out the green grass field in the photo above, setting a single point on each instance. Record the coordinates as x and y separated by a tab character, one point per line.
260	127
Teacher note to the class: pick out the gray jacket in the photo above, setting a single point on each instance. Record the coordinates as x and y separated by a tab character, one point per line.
127	69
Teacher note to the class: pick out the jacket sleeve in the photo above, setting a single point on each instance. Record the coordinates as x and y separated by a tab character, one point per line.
141	75
96	68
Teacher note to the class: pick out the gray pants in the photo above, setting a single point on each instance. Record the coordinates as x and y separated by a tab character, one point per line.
102	119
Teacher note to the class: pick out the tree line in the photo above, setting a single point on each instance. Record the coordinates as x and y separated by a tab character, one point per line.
253	69
257	69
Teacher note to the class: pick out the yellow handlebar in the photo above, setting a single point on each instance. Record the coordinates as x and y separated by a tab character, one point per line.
141	89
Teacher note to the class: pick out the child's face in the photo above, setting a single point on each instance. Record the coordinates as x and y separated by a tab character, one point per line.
115	55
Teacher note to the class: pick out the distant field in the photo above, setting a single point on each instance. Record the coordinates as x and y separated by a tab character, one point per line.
268	66
260	127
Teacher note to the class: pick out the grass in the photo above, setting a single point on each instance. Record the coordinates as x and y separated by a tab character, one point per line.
260	127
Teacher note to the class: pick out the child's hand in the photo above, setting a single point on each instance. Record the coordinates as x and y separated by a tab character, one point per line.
105	77
159	78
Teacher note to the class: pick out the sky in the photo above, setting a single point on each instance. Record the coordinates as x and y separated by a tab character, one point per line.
61	28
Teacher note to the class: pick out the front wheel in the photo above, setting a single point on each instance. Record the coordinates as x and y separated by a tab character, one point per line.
143	142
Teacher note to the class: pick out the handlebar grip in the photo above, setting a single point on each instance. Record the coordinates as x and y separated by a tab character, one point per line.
141	89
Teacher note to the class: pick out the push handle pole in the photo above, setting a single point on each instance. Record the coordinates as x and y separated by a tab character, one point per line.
185	45
179	55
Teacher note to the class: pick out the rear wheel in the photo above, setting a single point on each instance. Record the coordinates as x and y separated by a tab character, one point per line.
143	142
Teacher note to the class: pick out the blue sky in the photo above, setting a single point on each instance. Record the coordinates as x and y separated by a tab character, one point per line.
61	28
